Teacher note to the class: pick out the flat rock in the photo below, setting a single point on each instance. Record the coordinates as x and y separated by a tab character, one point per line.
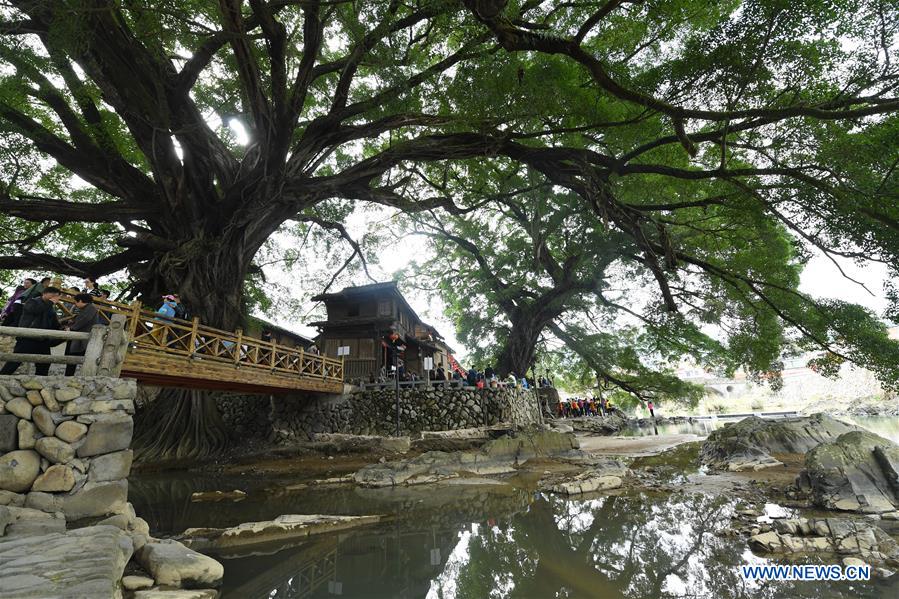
110	433
18	469
86	562
235	495
172	564
361	443
856	472
289	527
27	521
112	466
96	499
177	594
587	484
93	500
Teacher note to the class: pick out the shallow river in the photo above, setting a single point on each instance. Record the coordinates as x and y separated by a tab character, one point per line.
484	542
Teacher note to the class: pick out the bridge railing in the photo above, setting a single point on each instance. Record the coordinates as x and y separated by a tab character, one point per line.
103	356
150	332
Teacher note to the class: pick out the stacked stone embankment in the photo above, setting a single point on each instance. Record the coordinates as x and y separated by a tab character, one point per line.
66	527
65	443
373	412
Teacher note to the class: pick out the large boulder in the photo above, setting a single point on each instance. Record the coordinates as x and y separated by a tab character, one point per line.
750	443
858	472
18	469
172	564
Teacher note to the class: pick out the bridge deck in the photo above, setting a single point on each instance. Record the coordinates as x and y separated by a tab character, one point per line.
179	353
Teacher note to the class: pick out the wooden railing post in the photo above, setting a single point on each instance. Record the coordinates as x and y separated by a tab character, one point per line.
237	348
135	318
93	351
193	336
106	348
273	356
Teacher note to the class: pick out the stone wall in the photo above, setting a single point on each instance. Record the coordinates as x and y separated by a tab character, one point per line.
66	527
65	444
244	414
373	412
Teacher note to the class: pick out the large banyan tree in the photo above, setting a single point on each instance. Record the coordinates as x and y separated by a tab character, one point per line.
173	138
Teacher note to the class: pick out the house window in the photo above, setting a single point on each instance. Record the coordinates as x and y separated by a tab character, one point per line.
384	308
352	310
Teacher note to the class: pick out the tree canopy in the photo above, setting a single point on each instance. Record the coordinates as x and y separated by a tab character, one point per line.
553	151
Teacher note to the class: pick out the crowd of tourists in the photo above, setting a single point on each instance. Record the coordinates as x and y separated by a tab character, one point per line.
33	305
584	406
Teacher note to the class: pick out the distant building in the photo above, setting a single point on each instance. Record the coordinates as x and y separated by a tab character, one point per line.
364	319
256	327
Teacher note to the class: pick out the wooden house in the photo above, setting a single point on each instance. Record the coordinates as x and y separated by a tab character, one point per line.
365	319
256	327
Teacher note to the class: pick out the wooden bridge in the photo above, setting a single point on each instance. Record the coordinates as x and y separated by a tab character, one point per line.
170	352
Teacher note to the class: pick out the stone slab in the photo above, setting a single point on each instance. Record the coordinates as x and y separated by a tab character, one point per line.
86	562
106	435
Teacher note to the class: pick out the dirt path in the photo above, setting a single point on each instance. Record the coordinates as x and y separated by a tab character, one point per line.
634	446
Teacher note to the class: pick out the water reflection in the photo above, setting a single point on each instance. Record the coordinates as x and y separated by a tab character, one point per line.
492	541
628	546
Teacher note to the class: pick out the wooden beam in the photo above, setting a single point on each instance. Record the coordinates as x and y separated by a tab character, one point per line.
26	333
41	358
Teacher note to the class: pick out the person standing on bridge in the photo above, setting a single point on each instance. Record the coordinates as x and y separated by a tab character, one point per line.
37	313
85	319
650	407
90	287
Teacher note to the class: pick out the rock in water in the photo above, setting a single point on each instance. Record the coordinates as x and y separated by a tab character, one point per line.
285	529
749	443
831	536
171	563
856	472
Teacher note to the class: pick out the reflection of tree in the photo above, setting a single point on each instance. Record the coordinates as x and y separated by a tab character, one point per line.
628	546
614	547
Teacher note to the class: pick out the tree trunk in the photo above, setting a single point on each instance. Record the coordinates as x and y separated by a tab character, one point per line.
180	424
186	424
517	354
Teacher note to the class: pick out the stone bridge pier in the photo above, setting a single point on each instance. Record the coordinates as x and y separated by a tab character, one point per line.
66	527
